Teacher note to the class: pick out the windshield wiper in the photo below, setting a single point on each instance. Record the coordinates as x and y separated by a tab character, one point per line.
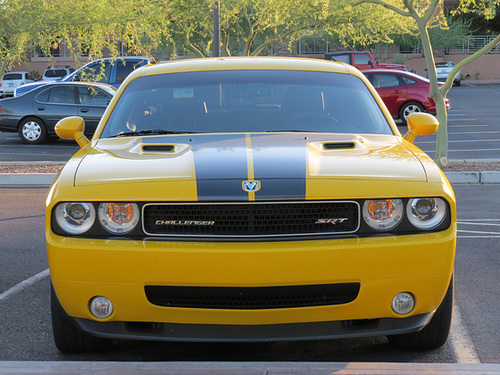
149	132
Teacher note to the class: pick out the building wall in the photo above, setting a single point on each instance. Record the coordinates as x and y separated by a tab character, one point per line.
487	67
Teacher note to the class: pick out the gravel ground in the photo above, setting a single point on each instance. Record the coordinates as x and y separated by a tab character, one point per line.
455	166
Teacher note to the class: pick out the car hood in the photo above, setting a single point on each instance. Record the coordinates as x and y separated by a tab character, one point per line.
285	164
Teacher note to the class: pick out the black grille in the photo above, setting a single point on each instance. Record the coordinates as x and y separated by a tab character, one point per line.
251	219
158	148
339	145
252	298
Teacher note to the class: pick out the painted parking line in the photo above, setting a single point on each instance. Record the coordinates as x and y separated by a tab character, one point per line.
467	126
488	228
485	132
462	141
471	150
462	344
24	284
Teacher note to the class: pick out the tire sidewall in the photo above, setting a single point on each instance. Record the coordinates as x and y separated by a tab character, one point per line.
41	127
406	105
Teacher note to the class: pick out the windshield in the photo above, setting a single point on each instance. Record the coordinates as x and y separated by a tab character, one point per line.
12	77
246	101
55	73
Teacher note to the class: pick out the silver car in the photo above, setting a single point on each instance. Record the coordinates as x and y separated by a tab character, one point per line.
443	70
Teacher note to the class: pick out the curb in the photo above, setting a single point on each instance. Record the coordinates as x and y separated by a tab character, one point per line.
247	368
26	180
44	180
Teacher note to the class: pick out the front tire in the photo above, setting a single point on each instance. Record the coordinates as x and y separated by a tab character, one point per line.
67	337
33	131
434	334
408	108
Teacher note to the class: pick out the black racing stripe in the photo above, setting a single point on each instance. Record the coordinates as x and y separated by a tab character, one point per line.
220	162
221	165
280	164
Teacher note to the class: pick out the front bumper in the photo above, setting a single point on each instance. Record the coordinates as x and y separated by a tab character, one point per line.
120	270
252	333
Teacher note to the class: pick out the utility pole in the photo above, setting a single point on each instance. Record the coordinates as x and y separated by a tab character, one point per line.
216	21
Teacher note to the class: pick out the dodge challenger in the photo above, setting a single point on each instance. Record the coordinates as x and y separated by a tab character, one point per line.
249	199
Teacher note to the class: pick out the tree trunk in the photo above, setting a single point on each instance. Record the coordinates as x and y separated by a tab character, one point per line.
441	157
3	65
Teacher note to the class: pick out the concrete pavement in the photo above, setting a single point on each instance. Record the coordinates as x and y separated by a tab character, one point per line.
245	368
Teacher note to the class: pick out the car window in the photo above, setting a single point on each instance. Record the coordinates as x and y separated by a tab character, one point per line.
407	80
385	80
55	73
99	72
361	59
12	76
444	64
124	68
342	58
61	95
247	101
93	96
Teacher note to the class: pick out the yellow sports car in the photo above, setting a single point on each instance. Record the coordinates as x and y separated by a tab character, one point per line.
249	199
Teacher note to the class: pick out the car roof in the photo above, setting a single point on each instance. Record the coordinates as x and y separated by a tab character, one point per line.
394	71
344	53
244	63
69	77
16	72
104	86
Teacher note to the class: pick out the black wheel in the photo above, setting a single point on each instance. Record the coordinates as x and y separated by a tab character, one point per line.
408	108
32	130
458	83
68	338
434	334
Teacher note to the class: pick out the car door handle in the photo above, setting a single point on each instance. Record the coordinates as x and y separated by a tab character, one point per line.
41	108
84	110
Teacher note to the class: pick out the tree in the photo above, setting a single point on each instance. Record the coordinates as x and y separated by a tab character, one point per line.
18	25
427	14
86	27
252	27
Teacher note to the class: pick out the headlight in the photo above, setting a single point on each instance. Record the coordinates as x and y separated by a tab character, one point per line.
118	218
383	214
75	217
426	213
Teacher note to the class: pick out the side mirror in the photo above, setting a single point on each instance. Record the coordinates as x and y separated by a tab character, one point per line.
72	128
420	124
370	63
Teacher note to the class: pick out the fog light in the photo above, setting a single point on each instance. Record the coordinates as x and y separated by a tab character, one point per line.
403	303
101	307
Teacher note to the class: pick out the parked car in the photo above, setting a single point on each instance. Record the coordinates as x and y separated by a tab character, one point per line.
56	73
443	70
12	80
35	114
247	199
403	93
361	60
111	70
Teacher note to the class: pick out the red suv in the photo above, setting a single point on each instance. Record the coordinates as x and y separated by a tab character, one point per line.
402	92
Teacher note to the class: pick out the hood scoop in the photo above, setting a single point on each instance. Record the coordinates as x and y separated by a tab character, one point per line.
158	148
339	145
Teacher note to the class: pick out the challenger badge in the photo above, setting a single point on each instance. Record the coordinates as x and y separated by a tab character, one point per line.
251	186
